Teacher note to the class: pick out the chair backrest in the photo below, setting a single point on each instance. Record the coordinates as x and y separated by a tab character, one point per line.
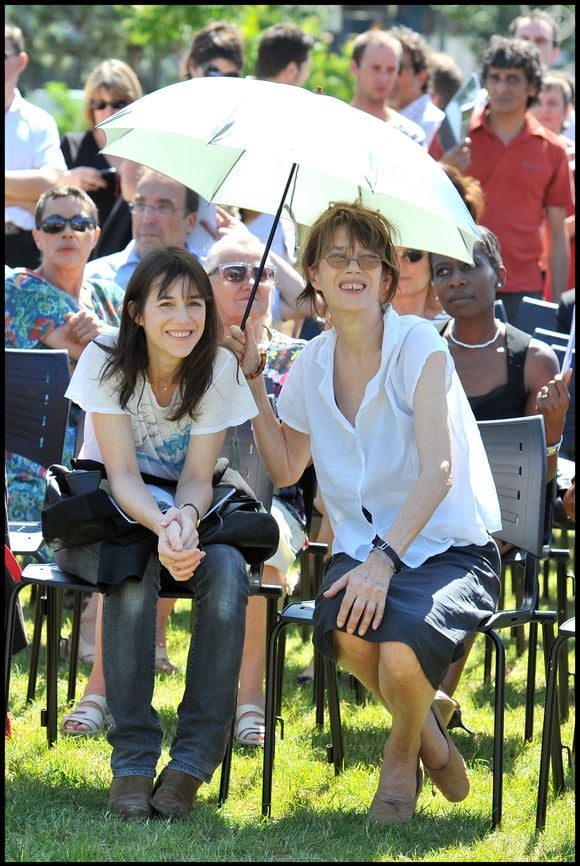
499	310
36	410
569	432
552	338
516	450
535	313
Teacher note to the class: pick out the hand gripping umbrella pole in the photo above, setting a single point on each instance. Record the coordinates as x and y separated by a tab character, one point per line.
267	247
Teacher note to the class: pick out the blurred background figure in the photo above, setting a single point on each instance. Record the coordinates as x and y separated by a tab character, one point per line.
375	65
410	94
284	54
217	49
33	161
109	180
541	28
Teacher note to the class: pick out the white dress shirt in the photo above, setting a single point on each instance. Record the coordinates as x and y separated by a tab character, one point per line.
31	140
374	463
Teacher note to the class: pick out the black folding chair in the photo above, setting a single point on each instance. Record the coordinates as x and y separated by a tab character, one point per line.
516	449
35	422
535	313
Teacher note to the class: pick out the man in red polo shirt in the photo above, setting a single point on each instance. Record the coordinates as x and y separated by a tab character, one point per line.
523	170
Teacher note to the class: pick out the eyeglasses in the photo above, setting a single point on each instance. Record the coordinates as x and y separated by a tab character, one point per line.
100	104
366	262
237	272
412	256
9	54
211	71
54	224
165	207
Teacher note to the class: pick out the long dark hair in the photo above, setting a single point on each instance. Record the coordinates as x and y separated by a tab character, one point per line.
129	357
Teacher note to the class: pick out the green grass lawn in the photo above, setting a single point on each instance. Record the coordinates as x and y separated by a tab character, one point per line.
55	802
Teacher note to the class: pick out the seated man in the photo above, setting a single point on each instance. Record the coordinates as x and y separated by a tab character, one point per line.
163	213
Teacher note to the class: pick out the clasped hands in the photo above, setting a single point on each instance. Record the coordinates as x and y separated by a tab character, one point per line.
178	546
364	601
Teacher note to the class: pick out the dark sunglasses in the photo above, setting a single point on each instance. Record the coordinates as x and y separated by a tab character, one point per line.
100	104
52	225
211	71
412	256
239	271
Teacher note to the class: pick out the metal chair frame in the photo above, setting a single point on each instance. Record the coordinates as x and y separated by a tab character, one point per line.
516	449
551	740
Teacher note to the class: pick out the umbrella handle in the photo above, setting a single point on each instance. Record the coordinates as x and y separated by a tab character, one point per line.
267	248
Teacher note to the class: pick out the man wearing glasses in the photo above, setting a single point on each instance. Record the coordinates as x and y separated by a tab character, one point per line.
163	213
33	160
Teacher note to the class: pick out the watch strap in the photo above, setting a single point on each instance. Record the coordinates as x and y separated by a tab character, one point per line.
383	545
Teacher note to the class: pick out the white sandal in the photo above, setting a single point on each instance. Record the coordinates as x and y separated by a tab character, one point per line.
96	719
250	725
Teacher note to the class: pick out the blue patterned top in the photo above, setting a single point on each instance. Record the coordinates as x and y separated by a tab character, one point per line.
32	307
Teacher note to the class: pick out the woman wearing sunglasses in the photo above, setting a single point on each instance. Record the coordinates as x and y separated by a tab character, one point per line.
54	306
110	87
415	293
401	468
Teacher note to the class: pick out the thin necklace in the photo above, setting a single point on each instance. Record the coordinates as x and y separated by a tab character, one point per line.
474	345
159	383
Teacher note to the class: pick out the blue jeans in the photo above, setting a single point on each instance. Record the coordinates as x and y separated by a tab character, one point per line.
220	588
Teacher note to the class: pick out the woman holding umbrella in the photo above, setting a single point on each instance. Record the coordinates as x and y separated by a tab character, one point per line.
403	473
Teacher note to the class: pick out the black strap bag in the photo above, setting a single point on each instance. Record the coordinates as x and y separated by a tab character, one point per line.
78	510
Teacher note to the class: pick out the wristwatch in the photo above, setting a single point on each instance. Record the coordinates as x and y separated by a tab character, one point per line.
383	545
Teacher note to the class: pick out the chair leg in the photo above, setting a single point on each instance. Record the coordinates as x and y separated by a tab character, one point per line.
227	764
337	747
35	647
531	681
49	716
498	728
548	745
319	683
270	719
561	595
74	646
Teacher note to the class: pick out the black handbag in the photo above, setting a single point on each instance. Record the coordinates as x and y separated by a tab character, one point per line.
78	510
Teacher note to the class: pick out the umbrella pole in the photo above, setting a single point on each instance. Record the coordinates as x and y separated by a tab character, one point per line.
267	247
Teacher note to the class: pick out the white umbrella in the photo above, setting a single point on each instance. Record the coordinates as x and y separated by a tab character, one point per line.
280	149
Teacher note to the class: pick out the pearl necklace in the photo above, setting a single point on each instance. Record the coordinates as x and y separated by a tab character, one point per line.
474	345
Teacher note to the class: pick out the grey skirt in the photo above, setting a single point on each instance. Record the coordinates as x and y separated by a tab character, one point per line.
431	608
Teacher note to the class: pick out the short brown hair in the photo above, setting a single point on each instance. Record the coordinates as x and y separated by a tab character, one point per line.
369	227
56	192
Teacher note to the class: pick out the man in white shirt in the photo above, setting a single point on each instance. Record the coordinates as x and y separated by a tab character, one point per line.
410	93
33	160
375	64
164	213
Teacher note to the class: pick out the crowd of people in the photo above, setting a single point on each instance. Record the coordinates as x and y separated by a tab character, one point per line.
354	346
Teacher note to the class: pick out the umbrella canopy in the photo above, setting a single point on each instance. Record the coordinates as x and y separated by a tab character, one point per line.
281	149
235	140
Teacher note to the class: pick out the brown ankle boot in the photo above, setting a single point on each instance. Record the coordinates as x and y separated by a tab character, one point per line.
129	797
174	793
